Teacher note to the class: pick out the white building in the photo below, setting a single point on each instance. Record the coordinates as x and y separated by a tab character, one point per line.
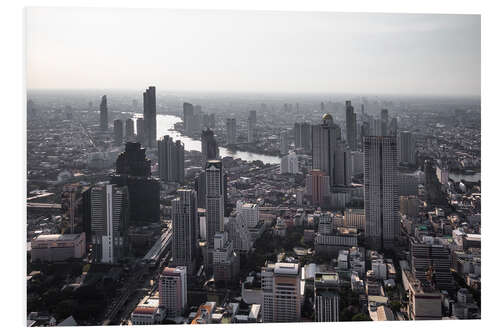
173	290
289	164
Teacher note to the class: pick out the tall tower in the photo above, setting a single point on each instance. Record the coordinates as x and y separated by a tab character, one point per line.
173	290
140	130
350	124
214	177
209	148
185	230
109	221
103	115
324	139
406	146
283	142
252	123
231	131
118	131
188	117
129	129
171	160
149	99
381	191
384	122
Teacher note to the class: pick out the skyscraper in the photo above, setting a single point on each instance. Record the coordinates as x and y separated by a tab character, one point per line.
149	99
109	221
324	140
185	229
173	290
406	146
252	123
384	122
231	131
381	191
140	130
133	170
350	124
209	148
289	164
343	165
118	131
103	115
171	160
214	174
280	283
283	142
188	117
326	297
129	129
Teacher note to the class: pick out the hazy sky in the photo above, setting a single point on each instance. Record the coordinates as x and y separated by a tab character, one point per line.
80	48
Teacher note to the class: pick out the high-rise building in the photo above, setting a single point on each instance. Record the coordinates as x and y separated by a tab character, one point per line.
231	131
133	170
209	147
103	113
249	212
214	174
406	146
283	142
140	130
393	127
185	229
188	117
318	188
384	122
252	123
326	297
118	131
171	160
381	191
109	221
343	165
302	136
324	140
351	127
280	283
289	164
129	129
238	233
149	99
173	290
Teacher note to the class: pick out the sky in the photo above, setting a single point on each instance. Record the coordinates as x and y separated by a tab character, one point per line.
253	51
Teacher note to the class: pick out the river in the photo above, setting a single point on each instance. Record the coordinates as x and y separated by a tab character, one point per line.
165	126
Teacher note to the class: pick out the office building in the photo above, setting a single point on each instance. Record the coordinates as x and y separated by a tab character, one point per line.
133	170
188	117
118	131
342	165
354	218
289	164
103	113
231	131
249	212
173	290
140	130
226	262
209	147
351	126
238	233
252	124
109	222
214	174
325	224
424	301
326	297
381	191
384	122
280	283
406	146
324	141
317	188
393	127
283	142
149	99
129	129
171	160
185	229
302	136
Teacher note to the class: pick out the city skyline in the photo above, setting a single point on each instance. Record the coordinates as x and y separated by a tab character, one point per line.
262	51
